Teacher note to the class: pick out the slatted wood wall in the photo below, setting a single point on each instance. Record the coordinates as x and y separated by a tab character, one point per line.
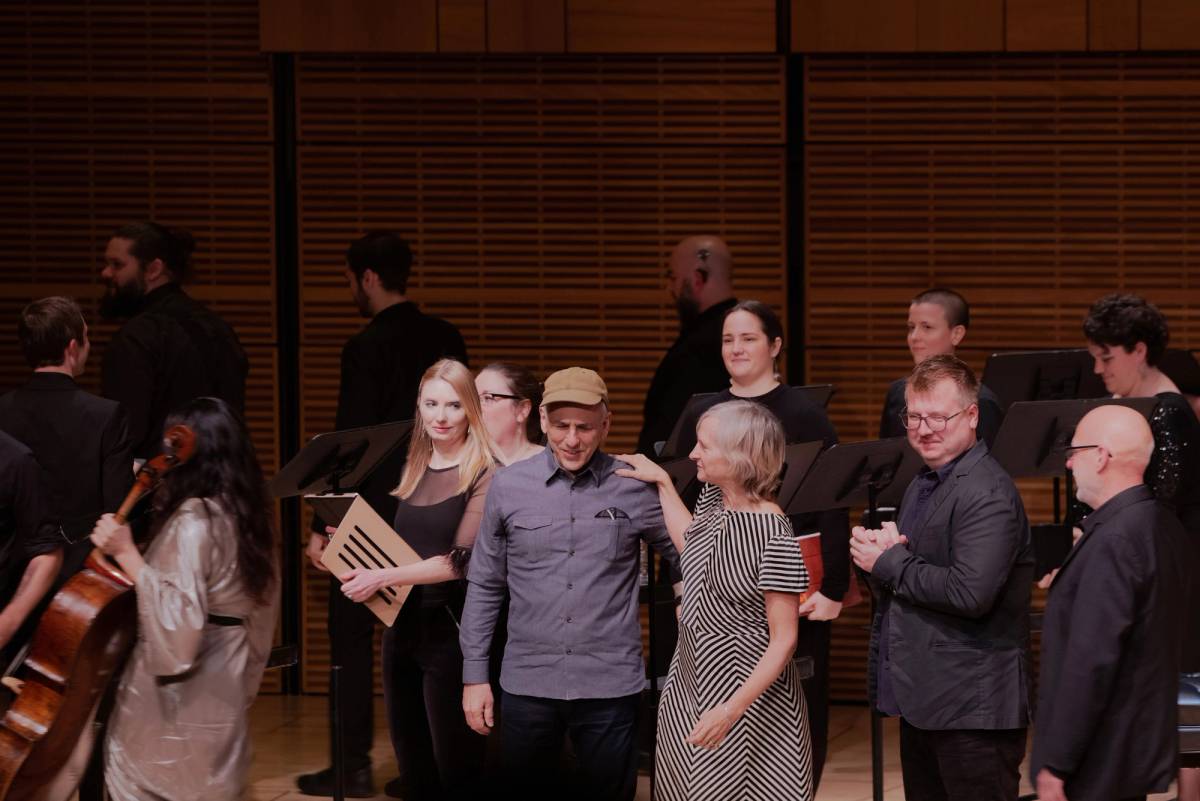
1033	184
542	197
115	112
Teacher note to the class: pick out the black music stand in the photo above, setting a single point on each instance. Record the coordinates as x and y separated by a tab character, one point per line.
322	471
332	464
1031	444
1027	375
1181	367
873	472
819	394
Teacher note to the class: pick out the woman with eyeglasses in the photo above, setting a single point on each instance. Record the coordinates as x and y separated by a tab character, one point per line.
751	342
441	496
510	396
1127	337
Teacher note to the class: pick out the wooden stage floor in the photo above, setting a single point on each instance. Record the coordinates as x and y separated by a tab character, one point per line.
290	738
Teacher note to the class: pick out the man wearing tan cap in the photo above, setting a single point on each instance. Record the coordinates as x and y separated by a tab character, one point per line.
561	536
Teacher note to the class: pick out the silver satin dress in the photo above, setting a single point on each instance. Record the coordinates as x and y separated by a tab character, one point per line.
179	729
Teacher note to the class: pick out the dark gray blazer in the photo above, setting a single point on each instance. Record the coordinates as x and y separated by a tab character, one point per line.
1106	718
958	595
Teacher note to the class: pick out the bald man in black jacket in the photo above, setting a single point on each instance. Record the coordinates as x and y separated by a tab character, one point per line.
1107	708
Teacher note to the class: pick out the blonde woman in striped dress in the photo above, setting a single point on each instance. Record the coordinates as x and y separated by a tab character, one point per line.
732	723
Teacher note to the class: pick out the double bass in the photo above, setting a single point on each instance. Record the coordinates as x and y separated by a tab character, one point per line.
79	646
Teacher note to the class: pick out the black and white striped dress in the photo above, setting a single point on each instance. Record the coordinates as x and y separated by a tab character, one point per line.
729	559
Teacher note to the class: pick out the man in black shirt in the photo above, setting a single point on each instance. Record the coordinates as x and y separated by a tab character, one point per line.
30	546
173	348
937	323
79	439
382	367
700	275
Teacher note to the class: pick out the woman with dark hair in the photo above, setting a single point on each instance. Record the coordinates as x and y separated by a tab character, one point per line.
441	496
510	395
751	341
1127	337
207	596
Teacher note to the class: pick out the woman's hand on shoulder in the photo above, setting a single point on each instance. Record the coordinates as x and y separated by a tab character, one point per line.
641	468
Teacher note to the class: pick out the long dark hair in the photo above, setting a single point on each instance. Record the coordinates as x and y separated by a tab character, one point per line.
224	468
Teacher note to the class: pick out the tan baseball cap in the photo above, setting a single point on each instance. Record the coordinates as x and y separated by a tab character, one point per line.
574	385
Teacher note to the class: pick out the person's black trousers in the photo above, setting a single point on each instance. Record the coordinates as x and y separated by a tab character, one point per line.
352	645
961	764
603	733
441	757
814	641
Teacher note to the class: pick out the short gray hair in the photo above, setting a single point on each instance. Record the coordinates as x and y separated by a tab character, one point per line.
752	439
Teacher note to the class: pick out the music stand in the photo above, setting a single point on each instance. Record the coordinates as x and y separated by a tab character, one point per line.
1181	367
1027	375
323	469
847	475
334	463
819	394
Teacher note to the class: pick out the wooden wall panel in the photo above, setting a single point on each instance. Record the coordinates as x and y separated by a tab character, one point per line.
670	26
958	25
349	26
1170	24
1010	178
111	113
830	26
542	197
526	26
462	26
1113	24
1046	25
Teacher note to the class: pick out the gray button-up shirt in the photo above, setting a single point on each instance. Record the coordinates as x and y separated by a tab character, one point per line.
566	549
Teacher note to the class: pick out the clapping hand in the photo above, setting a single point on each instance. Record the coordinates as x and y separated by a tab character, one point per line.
866	544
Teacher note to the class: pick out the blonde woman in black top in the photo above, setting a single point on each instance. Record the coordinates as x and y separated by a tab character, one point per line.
441	497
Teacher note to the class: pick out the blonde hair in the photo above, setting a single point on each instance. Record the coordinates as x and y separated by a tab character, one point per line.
478	454
751	439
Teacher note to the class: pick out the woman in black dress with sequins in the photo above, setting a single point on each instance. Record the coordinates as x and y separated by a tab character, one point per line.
1127	337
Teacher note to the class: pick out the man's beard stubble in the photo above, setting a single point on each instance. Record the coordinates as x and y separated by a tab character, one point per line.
122	301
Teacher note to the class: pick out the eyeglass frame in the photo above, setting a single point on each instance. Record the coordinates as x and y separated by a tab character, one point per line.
495	396
1070	450
927	420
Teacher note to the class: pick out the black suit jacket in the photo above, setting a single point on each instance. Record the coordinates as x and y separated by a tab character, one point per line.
382	367
692	365
1106	719
958	599
82	443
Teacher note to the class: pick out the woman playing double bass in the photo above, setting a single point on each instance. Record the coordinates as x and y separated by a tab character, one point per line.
207	596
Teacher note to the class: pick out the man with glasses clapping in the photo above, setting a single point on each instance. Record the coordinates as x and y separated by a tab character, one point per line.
949	643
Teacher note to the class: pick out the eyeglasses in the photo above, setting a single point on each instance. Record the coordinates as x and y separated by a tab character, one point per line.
936	422
488	398
1070	450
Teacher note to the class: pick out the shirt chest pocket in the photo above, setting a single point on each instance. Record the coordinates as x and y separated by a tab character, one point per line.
528	537
607	538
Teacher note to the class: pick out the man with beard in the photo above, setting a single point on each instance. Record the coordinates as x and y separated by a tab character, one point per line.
173	348
382	367
699	275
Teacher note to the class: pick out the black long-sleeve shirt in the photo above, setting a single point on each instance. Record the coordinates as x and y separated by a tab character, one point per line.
382	367
692	365
803	421
173	350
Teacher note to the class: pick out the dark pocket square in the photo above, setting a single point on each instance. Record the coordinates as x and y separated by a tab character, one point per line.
612	513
